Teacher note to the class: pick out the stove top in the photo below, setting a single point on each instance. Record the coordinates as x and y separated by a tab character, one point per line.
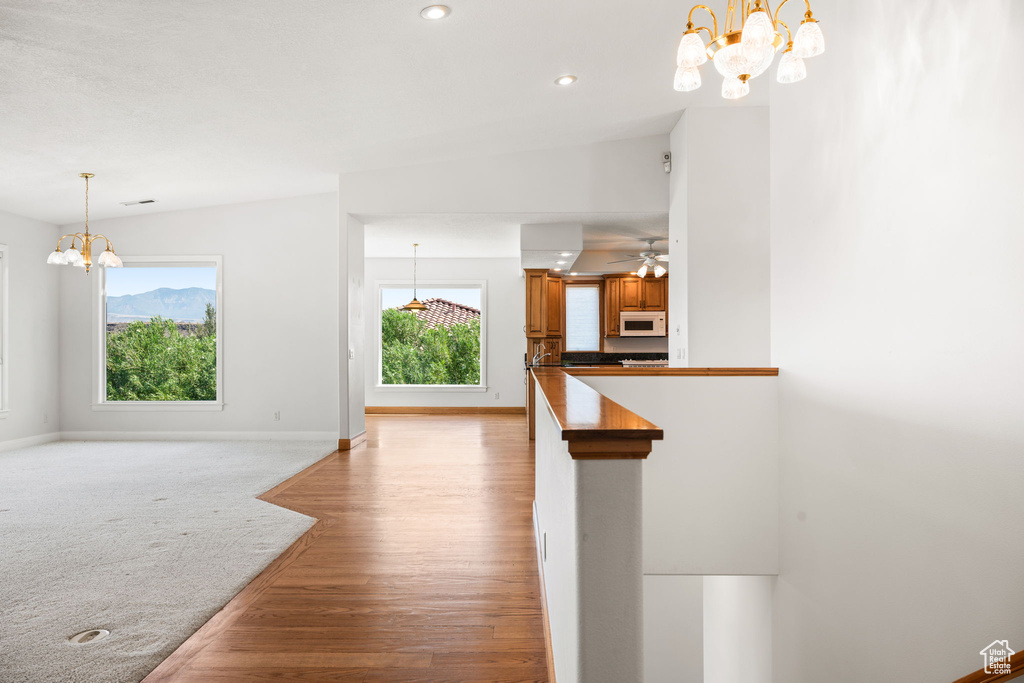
628	363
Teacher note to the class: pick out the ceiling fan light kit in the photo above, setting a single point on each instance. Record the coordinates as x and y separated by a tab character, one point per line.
83	258
651	259
744	53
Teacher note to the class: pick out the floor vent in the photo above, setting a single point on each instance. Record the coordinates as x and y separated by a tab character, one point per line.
90	636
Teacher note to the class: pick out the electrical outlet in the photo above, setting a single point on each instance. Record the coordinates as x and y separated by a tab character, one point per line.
277	416
497	395
46	418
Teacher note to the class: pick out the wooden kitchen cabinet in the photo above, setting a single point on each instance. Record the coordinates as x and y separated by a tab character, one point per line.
631	293
655	294
545	313
612	306
555	295
537	347
536	302
545	299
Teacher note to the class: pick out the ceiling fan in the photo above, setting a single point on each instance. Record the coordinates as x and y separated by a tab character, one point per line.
650	259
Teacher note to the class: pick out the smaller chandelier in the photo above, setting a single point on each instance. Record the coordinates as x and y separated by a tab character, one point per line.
415	304
742	54
82	257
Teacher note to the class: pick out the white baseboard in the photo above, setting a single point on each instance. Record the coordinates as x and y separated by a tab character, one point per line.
198	436
27	441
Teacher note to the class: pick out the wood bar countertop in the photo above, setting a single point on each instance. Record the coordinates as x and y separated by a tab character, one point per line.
596	427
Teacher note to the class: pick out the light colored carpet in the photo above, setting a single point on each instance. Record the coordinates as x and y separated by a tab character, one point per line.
145	539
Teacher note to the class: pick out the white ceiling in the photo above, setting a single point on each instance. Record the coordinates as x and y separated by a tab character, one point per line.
200	103
497	235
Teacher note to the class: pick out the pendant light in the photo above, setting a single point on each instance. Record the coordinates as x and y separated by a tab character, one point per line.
83	258
415	304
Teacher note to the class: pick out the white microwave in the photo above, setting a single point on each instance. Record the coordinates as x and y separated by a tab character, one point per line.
642	324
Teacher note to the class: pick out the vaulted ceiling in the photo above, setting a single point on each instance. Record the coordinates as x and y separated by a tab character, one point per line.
196	103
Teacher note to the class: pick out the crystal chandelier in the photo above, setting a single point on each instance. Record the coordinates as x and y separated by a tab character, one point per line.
83	257
742	54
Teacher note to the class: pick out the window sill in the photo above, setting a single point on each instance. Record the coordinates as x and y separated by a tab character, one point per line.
158	406
4	413
441	388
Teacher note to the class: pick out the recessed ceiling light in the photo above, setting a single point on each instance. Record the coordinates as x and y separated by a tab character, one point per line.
567	79
435	12
573	273
556	269
561	263
566	253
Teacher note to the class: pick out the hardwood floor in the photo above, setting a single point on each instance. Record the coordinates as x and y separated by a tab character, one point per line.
422	567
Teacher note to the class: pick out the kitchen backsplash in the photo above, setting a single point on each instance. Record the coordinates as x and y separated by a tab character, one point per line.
580	358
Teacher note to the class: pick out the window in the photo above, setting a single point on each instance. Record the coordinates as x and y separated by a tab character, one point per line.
160	346
440	348
582	317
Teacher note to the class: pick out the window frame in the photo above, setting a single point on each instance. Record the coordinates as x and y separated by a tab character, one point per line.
586	282
99	355
380	285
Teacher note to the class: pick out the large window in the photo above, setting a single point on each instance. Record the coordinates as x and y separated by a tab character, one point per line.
582	317
160	319
441	347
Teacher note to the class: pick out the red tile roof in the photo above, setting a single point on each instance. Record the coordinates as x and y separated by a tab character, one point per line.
443	312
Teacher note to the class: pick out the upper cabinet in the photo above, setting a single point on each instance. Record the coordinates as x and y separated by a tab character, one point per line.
612	306
631	293
544	303
556	304
640	293
536	304
655	294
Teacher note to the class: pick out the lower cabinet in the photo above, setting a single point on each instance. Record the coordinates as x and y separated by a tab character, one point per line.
548	345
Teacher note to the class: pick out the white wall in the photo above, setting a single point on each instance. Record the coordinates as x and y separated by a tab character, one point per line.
635	344
555	509
504	314
738	629
673	629
352	328
898	291
711	486
588	519
279	324
34	305
719	236
624	176
678	247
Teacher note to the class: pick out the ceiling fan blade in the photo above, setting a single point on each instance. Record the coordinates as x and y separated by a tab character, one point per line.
661	257
627	260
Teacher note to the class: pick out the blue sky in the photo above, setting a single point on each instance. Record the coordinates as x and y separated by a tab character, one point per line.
400	296
121	281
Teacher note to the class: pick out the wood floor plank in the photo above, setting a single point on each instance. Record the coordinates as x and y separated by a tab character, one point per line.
423	567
